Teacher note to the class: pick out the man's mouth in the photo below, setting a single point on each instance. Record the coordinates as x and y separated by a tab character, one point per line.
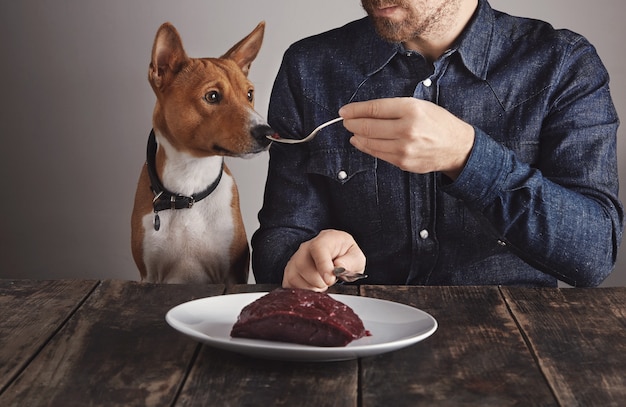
386	11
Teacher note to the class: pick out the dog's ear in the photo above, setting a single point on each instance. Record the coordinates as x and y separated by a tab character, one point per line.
168	56
246	50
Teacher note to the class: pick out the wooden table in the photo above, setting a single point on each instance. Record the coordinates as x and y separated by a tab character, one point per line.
79	343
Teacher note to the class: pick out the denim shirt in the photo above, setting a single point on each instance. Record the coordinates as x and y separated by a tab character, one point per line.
536	202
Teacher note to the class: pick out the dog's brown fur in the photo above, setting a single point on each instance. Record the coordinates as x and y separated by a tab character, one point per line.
204	111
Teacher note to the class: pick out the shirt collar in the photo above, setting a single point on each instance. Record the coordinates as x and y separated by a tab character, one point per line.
381	51
473	44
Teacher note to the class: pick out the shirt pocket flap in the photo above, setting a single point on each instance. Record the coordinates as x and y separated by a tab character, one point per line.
339	165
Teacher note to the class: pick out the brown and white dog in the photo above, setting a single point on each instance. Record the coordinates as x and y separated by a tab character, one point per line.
186	222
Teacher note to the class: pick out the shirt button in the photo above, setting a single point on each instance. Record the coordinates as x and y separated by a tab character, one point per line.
341	175
424	234
427	82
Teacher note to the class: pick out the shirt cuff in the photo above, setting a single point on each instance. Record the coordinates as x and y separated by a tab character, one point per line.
484	173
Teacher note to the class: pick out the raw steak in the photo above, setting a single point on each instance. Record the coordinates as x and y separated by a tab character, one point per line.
299	316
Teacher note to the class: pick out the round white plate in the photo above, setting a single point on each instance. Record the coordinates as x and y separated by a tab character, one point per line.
392	325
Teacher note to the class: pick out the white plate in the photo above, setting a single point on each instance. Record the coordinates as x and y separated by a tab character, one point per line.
392	325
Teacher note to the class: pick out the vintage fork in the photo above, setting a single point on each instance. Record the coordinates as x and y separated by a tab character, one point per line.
347	276
277	139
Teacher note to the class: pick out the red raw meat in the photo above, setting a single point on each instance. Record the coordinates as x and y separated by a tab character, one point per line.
299	316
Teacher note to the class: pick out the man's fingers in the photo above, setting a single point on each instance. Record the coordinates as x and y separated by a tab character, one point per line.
309	281
373	109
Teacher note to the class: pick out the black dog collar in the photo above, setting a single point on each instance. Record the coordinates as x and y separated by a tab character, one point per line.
165	199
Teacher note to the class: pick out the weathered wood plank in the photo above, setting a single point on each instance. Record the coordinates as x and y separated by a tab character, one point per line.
251	288
116	349
111	352
32	311
476	357
579	338
221	378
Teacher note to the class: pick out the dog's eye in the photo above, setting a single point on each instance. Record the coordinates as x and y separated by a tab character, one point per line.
213	97
251	95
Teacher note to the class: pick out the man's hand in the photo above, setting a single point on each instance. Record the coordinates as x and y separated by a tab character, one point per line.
414	135
311	266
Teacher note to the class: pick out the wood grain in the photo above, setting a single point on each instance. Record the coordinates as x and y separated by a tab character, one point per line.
32	311
476	357
116	350
78	343
579	339
221	378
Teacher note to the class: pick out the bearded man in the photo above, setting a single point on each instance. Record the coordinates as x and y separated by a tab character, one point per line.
476	148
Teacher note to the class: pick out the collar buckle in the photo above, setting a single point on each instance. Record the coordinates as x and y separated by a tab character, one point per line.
161	194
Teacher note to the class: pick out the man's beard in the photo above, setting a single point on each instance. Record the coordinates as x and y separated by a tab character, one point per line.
393	31
390	30
414	25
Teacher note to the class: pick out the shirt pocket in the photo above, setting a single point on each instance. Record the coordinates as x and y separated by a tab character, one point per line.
348	181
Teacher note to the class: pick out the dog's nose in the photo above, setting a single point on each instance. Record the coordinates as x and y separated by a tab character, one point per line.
261	132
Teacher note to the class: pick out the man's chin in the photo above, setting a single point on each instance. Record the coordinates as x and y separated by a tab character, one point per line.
388	29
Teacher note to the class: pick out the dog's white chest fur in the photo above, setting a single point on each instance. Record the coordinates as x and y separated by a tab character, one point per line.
193	241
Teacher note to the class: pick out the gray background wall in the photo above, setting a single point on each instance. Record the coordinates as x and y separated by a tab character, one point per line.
75	111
